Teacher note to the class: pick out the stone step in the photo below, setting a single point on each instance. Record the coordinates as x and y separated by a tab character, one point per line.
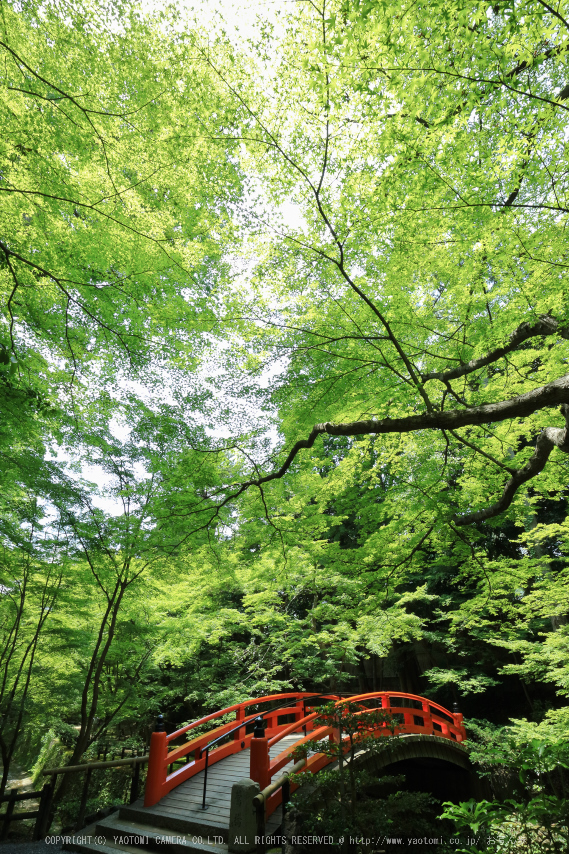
90	841
168	823
154	838
114	834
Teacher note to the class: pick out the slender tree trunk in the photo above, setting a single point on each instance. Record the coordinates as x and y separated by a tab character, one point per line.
24	671
91	690
5	766
352	773
341	786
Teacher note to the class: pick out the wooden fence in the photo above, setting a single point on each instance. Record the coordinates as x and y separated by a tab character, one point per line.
41	815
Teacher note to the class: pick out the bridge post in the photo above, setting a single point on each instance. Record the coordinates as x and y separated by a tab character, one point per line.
427	719
242	817
239	716
301	712
458	720
259	770
157	755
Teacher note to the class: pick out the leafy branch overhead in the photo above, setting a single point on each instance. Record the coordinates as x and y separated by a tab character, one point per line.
416	283
402	187
284	363
104	239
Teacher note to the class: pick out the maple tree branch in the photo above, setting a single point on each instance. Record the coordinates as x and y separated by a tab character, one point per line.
339	262
554	12
548	439
478	450
495	82
9	253
98	211
552	394
546	325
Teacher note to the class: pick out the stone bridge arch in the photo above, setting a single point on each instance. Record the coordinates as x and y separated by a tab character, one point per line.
429	763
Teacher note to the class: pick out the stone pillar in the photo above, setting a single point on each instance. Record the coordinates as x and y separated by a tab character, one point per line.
242	816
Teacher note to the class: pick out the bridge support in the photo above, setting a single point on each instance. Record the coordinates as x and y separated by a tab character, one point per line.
260	762
242	817
260	769
156	765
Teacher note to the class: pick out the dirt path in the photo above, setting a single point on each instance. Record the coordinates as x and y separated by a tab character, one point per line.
18	779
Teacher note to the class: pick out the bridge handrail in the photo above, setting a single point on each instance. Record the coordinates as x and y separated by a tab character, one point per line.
285	756
159	782
386	696
455	716
197	743
449	719
290	728
254	701
432	716
228	732
316	735
276	784
254	717
373	694
259	801
244	722
312	763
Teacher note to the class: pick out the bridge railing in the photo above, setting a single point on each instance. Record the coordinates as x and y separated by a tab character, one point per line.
162	777
413	714
409	713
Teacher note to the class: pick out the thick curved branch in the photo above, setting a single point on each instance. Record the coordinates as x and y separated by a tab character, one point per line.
548	439
546	325
552	394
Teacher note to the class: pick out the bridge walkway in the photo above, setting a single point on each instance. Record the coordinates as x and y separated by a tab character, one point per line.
181	808
255	740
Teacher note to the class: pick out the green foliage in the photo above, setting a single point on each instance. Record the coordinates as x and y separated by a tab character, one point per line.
106	194
467	682
394	814
537	819
540	824
358	724
51	755
197	269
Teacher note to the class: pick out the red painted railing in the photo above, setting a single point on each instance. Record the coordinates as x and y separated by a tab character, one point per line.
159	782
417	715
409	712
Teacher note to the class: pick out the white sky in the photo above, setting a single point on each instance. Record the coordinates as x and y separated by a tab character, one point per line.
240	22
237	17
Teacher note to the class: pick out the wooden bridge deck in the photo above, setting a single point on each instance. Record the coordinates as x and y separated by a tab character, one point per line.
177	821
181	808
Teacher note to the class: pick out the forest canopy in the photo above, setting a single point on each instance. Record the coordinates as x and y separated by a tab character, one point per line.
283	359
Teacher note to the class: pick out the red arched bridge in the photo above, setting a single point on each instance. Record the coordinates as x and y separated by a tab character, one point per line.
189	785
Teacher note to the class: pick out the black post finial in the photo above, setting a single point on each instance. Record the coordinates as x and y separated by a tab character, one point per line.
455	709
160	724
259	730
